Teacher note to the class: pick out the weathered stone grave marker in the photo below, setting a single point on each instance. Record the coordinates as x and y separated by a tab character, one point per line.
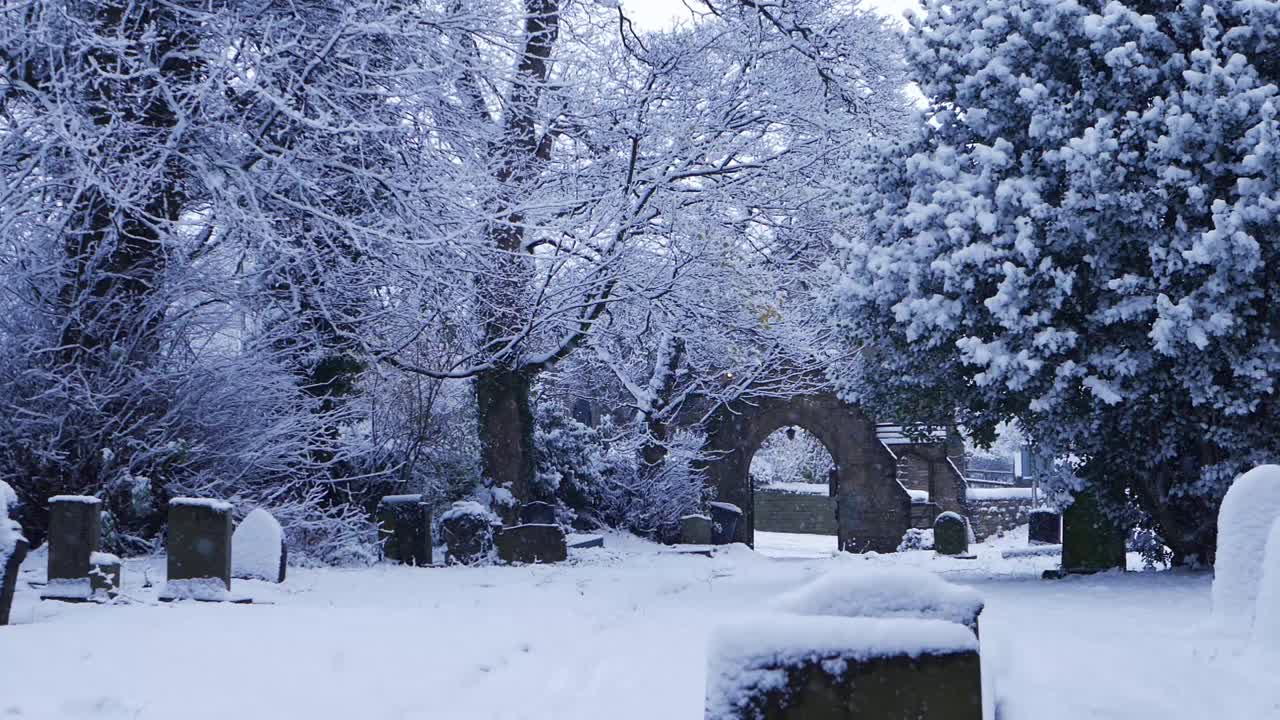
13	550
199	549
467	531
532	543
75	529
951	535
404	524
695	530
1044	527
258	550
1091	541
804	668
725	518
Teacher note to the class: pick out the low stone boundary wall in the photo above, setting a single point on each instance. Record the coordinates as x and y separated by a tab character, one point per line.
780	511
996	512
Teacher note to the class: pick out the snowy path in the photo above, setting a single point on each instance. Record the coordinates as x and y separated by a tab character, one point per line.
619	635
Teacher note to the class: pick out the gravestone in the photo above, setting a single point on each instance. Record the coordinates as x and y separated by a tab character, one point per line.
467	532
199	548
1091	541
404	524
890	592
532	544
950	534
258	550
537	513
1044	527
724	522
105	576
820	668
585	542
75	529
695	530
9	575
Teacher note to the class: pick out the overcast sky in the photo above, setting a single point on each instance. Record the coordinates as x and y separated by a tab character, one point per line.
659	13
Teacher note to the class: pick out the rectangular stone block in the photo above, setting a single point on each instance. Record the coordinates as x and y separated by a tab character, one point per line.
809	668
9	576
695	530
105	575
75	528
404	525
532	544
199	548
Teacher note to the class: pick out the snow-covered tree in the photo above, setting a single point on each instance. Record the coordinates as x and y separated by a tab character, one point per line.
1081	235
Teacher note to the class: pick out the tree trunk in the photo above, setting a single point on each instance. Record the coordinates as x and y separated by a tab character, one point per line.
506	429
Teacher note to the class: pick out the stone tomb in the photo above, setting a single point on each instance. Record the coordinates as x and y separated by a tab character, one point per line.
824	668
404	526
725	518
951	535
1044	527
1091	541
532	543
199	548
9	567
75	529
695	530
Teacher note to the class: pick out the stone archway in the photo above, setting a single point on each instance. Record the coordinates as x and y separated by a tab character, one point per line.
873	510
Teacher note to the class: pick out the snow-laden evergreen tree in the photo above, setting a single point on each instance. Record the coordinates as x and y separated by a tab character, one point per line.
1084	233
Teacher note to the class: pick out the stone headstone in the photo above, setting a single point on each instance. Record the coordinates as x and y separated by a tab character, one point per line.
818	668
695	530
537	513
950	534
199	548
1044	527
467	532
725	518
258	550
404	523
1091	541
105	575
532	544
75	529
9	576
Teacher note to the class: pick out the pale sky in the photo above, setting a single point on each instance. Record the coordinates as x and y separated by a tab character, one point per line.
651	14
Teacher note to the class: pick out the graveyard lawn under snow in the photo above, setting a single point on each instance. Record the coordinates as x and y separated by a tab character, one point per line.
617	633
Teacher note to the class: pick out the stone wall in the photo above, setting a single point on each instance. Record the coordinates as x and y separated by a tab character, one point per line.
778	511
991	516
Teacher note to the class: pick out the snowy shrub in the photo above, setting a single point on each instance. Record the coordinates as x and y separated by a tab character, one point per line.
1080	235
791	455
916	539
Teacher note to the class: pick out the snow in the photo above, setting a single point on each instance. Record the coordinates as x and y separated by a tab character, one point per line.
255	547
730	507
1012	493
413	498
918	496
618	632
883	593
1251	506
467	508
745	656
103	558
67	589
206	589
10	532
1033	551
798	488
1266	622
86	499
219	505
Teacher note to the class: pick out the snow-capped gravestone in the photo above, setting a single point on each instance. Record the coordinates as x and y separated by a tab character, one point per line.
695	530
1245	520
404	525
1266	617
467	531
790	667
1044	527
725	518
75	528
537	513
532	543
258	551
950	534
884	593
105	576
13	549
199	548
1091	541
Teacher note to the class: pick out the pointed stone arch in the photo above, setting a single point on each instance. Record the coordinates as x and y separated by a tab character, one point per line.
873	510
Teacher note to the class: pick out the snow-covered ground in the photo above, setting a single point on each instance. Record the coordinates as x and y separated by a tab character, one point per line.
616	633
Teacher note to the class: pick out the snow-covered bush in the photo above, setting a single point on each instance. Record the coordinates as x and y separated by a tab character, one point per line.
1080	235
916	539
